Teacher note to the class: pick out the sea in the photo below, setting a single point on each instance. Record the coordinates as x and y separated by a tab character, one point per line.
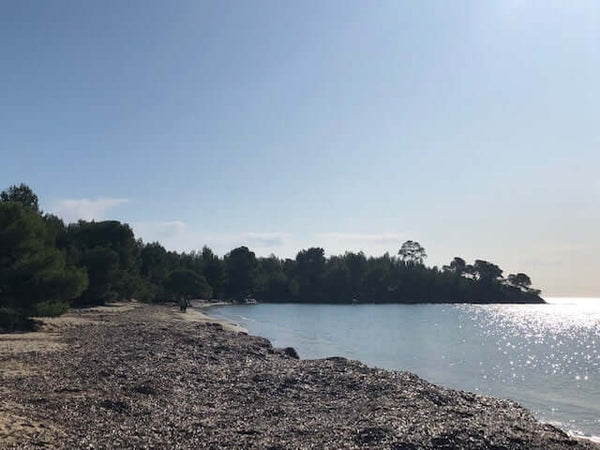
545	357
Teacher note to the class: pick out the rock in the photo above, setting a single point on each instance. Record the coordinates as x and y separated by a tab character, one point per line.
115	405
291	352
144	389
371	435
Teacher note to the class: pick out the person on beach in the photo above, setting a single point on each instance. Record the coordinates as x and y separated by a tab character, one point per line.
183	304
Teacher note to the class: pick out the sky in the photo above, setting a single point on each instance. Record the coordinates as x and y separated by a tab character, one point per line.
472	127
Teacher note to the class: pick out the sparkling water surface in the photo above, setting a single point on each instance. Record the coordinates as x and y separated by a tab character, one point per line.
546	357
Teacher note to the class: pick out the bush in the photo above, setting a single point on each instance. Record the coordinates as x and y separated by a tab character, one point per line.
50	309
14	320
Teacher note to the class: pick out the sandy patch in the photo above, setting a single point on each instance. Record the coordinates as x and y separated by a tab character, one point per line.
199	304
15	429
193	315
14	368
39	341
47	339
53	324
115	308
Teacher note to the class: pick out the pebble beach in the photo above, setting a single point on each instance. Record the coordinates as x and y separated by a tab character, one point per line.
144	376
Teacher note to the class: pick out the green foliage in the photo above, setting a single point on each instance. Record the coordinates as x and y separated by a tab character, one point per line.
111	255
32	269
21	194
242	270
310	270
50	309
458	266
213	269
411	252
486	271
354	278
337	281
187	284
14	320
102	265
519	280
154	263
45	265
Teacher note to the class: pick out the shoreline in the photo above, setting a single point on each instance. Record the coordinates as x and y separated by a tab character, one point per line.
123	376
194	314
573	432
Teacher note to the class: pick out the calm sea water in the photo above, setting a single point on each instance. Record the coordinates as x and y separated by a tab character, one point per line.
546	357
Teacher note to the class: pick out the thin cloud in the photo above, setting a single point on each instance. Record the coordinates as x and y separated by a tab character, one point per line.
275	239
157	231
179	236
371	243
176	235
72	210
367	238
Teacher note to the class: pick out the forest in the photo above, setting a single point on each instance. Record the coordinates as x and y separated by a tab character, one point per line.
47	266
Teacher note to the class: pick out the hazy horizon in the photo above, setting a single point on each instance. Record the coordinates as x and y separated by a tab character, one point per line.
470	127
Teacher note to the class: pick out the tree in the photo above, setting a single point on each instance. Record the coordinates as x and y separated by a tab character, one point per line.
242	267
457	266
21	194
486	271
214	271
376	279
412	252
272	282
41	259
102	265
186	284
111	235
357	265
55	226
154	263
520	280
32	270
310	268
337	281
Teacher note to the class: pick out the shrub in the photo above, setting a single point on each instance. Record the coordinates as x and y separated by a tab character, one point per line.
14	320
50	309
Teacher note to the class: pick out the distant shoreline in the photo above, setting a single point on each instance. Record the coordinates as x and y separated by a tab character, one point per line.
536	301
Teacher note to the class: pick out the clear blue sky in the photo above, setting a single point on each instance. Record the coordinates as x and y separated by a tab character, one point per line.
473	127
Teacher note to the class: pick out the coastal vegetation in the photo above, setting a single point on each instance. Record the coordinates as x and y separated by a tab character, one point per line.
47	266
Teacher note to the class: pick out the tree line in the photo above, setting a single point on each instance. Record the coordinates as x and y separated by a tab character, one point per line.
47	266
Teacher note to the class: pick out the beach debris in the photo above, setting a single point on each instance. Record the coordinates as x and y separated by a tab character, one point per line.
291	352
145	379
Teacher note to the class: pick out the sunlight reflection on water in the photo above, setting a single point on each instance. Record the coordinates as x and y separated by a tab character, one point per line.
559	338
551	353
558	315
546	357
